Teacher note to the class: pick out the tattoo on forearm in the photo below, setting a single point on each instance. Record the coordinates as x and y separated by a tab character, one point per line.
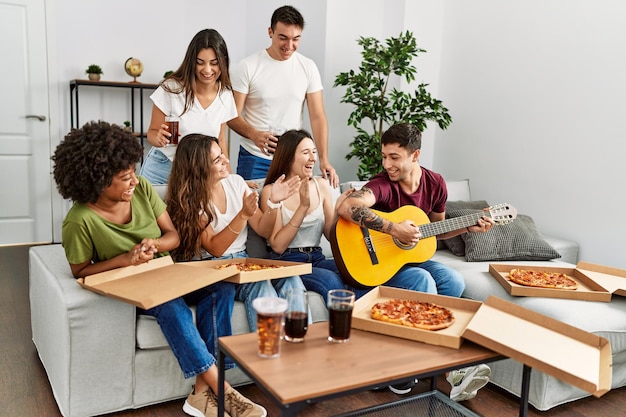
389	226
360	193
367	218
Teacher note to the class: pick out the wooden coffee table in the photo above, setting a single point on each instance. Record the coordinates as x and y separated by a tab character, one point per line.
318	370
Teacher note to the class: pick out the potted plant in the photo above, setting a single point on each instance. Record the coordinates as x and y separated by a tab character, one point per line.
381	106
93	72
127	126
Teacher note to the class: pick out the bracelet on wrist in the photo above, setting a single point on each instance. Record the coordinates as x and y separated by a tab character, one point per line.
232	230
158	244
274	205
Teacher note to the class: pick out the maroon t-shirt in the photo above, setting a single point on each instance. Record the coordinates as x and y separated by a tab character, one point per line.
431	195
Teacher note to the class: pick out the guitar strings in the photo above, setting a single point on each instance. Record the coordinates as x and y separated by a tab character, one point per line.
430	229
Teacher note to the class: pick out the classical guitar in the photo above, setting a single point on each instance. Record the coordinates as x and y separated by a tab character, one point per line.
368	258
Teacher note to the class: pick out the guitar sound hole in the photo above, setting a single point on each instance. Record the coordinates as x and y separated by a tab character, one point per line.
403	245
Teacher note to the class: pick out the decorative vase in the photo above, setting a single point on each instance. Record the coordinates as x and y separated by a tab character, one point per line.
94	77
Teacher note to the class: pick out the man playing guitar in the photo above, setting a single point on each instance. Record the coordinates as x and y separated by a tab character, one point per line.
405	182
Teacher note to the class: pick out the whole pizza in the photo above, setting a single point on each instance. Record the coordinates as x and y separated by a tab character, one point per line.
541	279
248	266
411	313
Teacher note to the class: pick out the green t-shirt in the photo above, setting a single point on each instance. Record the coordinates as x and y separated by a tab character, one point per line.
88	236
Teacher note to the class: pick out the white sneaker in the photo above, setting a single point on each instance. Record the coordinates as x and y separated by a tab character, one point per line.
467	381
403	388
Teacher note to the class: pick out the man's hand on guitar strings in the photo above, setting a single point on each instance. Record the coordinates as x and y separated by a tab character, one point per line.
407	232
483	225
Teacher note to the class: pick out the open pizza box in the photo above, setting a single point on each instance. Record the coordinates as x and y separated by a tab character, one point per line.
462	308
566	352
285	269
154	282
563	351
595	282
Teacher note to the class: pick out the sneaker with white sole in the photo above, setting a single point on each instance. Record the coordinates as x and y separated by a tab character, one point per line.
467	381
201	404
403	388
239	406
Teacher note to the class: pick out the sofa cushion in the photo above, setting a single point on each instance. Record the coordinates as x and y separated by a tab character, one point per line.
456	244
518	240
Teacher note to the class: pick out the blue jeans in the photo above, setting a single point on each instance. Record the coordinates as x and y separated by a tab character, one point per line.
248	292
251	167
430	276
324	275
195	346
156	167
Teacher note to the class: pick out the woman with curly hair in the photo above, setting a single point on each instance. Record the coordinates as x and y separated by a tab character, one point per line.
199	93
212	210
117	220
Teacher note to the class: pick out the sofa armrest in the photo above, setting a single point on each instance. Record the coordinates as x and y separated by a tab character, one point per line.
86	342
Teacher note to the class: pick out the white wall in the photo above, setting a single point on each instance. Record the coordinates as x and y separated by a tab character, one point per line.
534	88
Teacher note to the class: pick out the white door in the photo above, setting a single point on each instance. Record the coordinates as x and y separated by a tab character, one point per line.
25	181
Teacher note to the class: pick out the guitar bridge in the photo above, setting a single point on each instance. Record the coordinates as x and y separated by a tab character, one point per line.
367	239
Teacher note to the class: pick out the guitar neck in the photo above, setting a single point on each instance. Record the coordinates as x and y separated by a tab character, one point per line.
448	225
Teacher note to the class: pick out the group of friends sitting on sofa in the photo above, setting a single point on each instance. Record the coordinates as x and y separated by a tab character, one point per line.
118	220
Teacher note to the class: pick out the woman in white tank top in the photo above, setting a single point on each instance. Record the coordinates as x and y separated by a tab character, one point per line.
304	216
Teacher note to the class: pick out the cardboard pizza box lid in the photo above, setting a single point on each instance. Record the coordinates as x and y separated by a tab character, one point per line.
589	288
462	308
613	279
287	269
566	352
155	282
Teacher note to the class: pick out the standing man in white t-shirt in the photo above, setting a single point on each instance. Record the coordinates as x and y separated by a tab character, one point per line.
270	89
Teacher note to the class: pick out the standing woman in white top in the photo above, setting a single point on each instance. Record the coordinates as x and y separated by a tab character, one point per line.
303	216
199	92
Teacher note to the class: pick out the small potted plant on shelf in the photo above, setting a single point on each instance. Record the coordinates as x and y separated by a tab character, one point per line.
127	126
93	72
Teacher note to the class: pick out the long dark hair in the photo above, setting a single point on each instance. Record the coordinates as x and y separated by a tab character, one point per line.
185	75
284	155
188	193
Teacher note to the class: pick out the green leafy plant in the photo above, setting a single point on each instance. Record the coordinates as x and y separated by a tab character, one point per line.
168	73
93	69
375	102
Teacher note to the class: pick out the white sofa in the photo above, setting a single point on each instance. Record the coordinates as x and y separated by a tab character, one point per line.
101	357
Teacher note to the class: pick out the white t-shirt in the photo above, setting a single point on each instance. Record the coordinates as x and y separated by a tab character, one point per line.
235	188
197	119
276	91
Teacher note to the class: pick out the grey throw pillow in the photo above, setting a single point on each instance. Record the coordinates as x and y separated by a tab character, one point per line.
516	241
456	245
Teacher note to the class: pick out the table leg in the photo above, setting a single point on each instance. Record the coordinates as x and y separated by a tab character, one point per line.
221	379
523	400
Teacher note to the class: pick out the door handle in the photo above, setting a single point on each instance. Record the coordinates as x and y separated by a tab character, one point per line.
39	117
